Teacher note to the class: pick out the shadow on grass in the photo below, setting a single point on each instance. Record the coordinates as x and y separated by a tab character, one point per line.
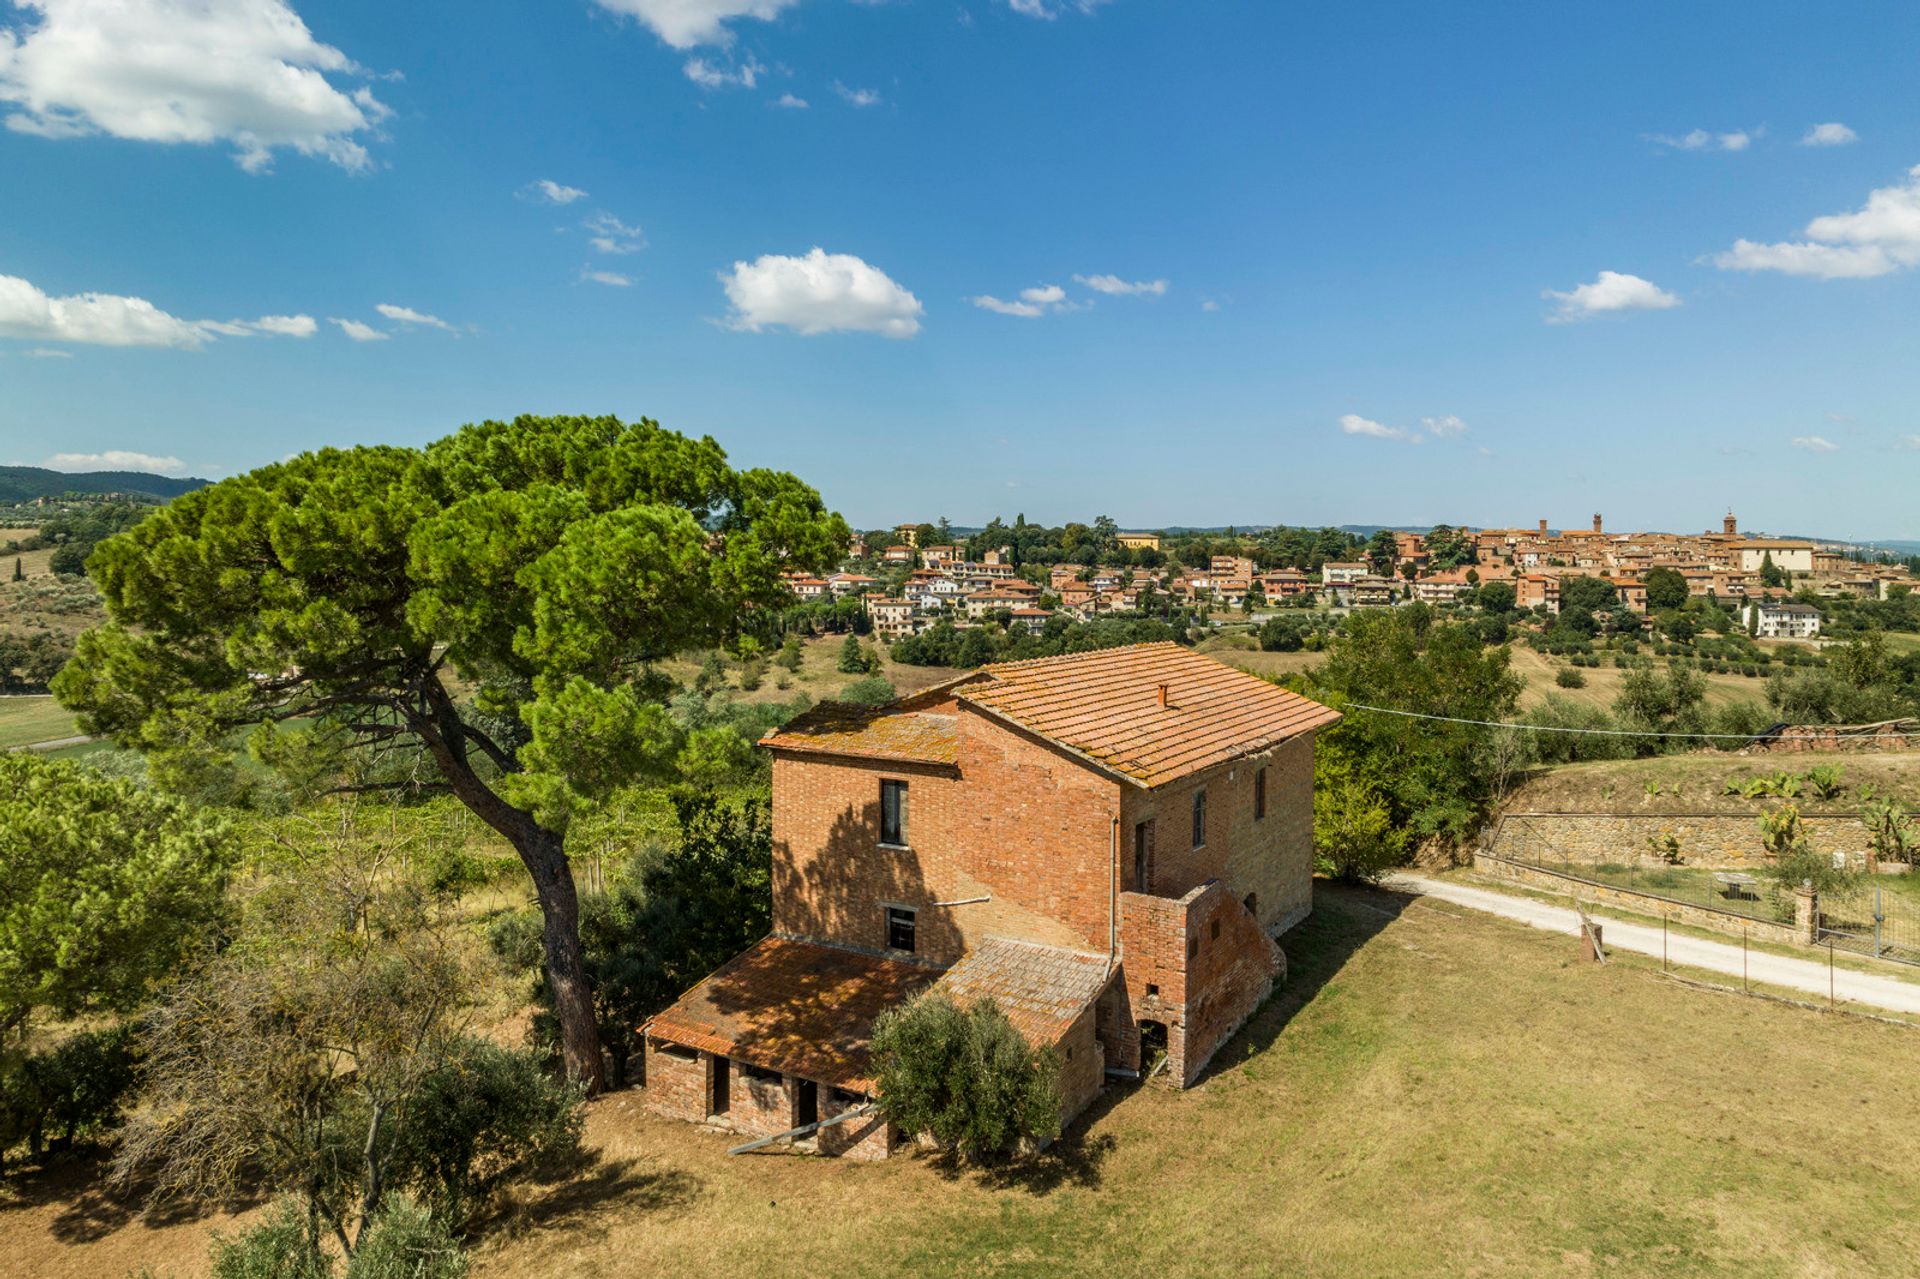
1345	918
1074	1159
587	1185
92	1206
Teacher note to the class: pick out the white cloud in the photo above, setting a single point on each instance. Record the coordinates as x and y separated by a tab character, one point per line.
710	75
244	72
687	23
1032	302
1880	238
98	319
1117	287
1048	12
1354	424
819	293
1444	427
1814	444
1910	442
547	191
1209	305
857	97
609	234
1701	140
359	332
116	460
1829	135
292	326
612	279
47	353
407	315
1609	291
790	102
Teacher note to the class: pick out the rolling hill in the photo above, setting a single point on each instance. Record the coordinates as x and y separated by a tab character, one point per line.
25	483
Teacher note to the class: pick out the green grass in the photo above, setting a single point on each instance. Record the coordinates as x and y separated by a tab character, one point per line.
25	720
1433	1093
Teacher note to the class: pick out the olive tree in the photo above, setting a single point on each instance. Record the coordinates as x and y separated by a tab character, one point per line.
546	561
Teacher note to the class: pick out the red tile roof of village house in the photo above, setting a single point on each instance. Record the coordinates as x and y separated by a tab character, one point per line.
793	1006
1104	705
882	732
1042	989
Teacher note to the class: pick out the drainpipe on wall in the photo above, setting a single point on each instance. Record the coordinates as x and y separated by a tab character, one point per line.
1113	891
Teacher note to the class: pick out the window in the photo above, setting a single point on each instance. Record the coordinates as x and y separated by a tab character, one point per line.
893	813
900	928
1143	857
1199	819
1213	934
1193	946
1259	793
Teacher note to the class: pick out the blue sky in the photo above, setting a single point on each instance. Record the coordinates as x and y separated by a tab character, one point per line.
1168	260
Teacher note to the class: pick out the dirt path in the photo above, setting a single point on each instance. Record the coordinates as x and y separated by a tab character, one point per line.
1807	976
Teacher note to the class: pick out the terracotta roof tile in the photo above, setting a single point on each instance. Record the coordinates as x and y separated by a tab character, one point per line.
793	1006
1105	706
873	732
1042	989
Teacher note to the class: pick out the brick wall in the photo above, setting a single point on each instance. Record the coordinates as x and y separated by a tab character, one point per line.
1015	823
1083	1066
1269	857
1201	983
678	1086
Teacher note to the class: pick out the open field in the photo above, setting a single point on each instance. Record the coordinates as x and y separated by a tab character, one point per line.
1694	782
819	675
25	720
1434	1092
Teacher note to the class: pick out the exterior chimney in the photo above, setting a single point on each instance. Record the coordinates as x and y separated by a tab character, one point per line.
1596	521
1160	694
1543	528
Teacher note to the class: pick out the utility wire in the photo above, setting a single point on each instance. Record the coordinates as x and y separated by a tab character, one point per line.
1605	732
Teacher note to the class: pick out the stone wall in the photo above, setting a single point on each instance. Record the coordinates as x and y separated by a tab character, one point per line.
1706	839
1683	912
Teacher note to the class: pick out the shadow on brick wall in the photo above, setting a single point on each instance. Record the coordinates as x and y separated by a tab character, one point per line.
1345	918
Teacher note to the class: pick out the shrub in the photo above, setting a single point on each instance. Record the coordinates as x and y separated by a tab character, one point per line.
1570	678
407	1242
1354	836
280	1247
491	1116
871	691
70	1092
965	1077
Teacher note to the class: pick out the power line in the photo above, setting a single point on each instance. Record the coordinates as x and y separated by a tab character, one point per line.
1605	732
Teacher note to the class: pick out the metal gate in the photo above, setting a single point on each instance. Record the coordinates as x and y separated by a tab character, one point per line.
1872	921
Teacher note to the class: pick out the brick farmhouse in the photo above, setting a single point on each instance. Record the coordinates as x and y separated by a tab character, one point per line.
1105	844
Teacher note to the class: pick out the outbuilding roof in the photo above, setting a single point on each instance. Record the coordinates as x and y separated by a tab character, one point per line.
793	1006
1042	989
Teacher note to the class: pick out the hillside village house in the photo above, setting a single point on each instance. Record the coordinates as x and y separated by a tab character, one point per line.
1138	541
1105	843
1334	572
1773	620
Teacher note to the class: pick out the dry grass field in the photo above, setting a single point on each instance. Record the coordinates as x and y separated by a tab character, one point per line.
1432	1093
26	720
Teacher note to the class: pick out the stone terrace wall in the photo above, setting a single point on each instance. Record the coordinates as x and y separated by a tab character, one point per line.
1684	912
1706	839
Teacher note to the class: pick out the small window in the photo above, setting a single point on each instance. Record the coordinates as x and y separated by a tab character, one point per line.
1259	793
1199	819
900	925
1193	946
1213	934
1153	991
893	813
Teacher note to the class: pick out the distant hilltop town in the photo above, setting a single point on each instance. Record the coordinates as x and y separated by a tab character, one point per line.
905	581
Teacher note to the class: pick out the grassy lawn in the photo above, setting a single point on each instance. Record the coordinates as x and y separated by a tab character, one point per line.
1433	1092
25	720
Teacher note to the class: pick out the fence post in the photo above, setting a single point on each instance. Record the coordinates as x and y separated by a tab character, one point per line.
1806	915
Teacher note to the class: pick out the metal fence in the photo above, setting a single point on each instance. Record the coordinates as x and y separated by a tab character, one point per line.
1747	895
1872	921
